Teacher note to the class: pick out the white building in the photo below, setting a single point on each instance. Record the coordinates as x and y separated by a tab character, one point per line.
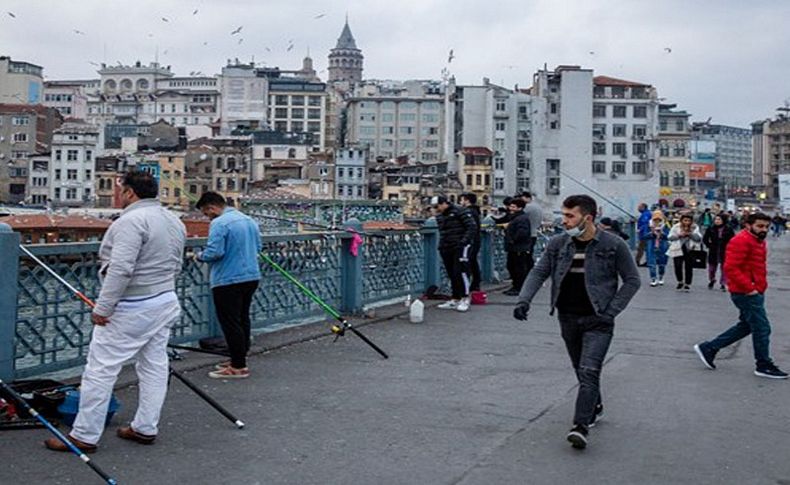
734	168
395	119
38	179
244	94
20	82
72	164
298	105
69	97
351	180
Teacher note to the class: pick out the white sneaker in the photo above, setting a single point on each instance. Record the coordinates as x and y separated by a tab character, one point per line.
661	282
463	306
654	283
448	305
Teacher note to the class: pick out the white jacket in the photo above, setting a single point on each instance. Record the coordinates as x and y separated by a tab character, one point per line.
676	242
140	255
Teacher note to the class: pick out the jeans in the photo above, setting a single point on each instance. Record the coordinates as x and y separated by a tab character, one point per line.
752	320
712	273
457	271
233	312
657	271
681	263
587	339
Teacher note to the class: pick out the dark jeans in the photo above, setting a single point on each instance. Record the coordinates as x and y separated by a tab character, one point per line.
457	271
752	320
681	263
474	268
519	265
233	312
587	339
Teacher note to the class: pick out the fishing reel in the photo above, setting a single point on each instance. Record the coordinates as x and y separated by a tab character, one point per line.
338	330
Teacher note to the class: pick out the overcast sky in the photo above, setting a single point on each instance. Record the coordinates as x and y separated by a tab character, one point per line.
730	59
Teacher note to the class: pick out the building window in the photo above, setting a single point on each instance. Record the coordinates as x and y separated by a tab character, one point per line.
71	174
599	148
297	100
640	111
57	174
57	193
387	117
599	111
554	125
618	130
406	130
640	131
663	150
292	153
598	166
618	111
599	130
72	155
680	125
297	126
314	100
58	155
408	117
281	100
679	179
89	155
315	114
619	149
20	120
432	118
20	137
281	112
500	126
468	180
664	178
679	151
297	113
639	148
71	193
500	105
618	167
499	183
87	174
639	168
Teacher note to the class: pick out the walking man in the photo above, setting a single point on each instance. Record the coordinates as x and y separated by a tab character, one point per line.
234	241
469	202
456	236
745	267
535	215
518	245
641	227
585	266
140	256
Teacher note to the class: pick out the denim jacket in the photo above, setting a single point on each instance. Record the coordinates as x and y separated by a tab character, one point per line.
607	257
234	241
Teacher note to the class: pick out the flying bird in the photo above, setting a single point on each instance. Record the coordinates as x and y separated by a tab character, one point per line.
164	19
79	32
450	56
267	49
11	15
205	43
320	16
668	50
241	40
195	12
164	52
93	63
237	30
150	35
290	47
592	53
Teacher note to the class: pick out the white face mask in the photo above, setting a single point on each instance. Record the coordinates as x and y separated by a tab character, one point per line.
576	231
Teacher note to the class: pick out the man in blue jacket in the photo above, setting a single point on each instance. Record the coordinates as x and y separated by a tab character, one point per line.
641	225
234	241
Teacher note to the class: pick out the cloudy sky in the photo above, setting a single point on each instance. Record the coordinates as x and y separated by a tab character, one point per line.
729	60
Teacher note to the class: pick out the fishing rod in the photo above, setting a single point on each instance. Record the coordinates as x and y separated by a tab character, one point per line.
52	429
338	330
322	226
599	195
173	372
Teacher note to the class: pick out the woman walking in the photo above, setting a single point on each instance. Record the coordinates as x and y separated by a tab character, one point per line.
655	234
716	239
684	237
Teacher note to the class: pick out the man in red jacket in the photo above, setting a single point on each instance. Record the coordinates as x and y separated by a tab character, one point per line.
745	267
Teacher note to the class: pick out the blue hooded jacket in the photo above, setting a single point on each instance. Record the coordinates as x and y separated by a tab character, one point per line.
234	241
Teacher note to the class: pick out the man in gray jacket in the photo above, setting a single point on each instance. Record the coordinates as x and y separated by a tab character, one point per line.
140	256
584	265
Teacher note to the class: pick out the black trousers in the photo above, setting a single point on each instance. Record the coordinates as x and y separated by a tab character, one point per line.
683	263
587	340
233	312
457	270
474	269
519	264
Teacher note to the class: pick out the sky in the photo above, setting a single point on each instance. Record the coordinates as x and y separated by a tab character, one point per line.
729	59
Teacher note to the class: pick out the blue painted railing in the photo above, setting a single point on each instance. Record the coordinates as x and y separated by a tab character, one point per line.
51	329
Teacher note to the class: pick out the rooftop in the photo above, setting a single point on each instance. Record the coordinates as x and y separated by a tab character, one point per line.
55	221
611	81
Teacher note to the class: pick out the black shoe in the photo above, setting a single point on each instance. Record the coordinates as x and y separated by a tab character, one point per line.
578	437
687	288
596	416
679	287
770	371
706	356
723	288
711	284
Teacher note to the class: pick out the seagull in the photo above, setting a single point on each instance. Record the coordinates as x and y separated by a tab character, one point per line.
668	50
11	15
237	30
241	40
450	57
195	12
164	19
289	48
164	52
592	53
205	43
267	49
93	63
319	16
79	32
150	35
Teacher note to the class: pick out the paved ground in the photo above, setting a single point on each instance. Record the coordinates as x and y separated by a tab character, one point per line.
470	399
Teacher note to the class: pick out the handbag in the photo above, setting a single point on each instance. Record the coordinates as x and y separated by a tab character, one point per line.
699	258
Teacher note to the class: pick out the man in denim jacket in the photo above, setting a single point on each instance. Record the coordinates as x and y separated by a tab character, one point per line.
234	241
584	265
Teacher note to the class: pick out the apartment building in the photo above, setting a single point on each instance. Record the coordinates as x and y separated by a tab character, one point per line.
72	165
673	152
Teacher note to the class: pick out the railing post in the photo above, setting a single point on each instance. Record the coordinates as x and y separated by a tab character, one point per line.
351	270
430	238
9	261
487	249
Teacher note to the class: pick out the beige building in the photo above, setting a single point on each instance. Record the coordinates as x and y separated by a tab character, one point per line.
771	152
475	172
20	82
171	177
673	153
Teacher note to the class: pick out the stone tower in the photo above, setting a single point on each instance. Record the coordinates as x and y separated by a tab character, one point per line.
345	60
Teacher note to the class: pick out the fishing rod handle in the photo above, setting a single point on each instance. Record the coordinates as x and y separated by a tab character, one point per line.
210	400
367	341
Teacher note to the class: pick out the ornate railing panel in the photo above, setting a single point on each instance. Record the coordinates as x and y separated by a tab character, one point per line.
393	266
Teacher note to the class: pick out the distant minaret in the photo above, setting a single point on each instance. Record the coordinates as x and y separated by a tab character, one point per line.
345	60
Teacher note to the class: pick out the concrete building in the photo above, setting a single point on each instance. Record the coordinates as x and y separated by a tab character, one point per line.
244	95
25	131
72	166
346	60
673	153
222	164
278	155
68	97
475	171
351	179
20	82
171	179
299	106
38	179
415	183
733	153
771	144
108	172
398	120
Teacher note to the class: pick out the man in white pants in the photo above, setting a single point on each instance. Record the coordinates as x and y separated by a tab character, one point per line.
140	256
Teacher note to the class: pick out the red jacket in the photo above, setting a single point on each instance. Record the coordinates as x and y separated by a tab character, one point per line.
745	264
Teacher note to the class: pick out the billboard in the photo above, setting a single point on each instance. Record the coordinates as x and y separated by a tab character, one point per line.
784	192
702	171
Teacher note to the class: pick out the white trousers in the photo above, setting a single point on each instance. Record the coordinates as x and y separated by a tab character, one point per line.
137	330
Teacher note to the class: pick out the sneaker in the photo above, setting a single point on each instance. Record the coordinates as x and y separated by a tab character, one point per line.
448	305
711	284
686	288
463	305
654	283
679	287
596	416
230	373
771	372
723	288
222	365
578	437
661	282
706	356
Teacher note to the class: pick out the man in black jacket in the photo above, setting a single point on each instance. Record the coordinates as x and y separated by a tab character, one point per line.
469	202
518	244
456	237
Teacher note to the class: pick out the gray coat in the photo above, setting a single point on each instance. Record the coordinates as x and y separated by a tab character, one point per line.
606	258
